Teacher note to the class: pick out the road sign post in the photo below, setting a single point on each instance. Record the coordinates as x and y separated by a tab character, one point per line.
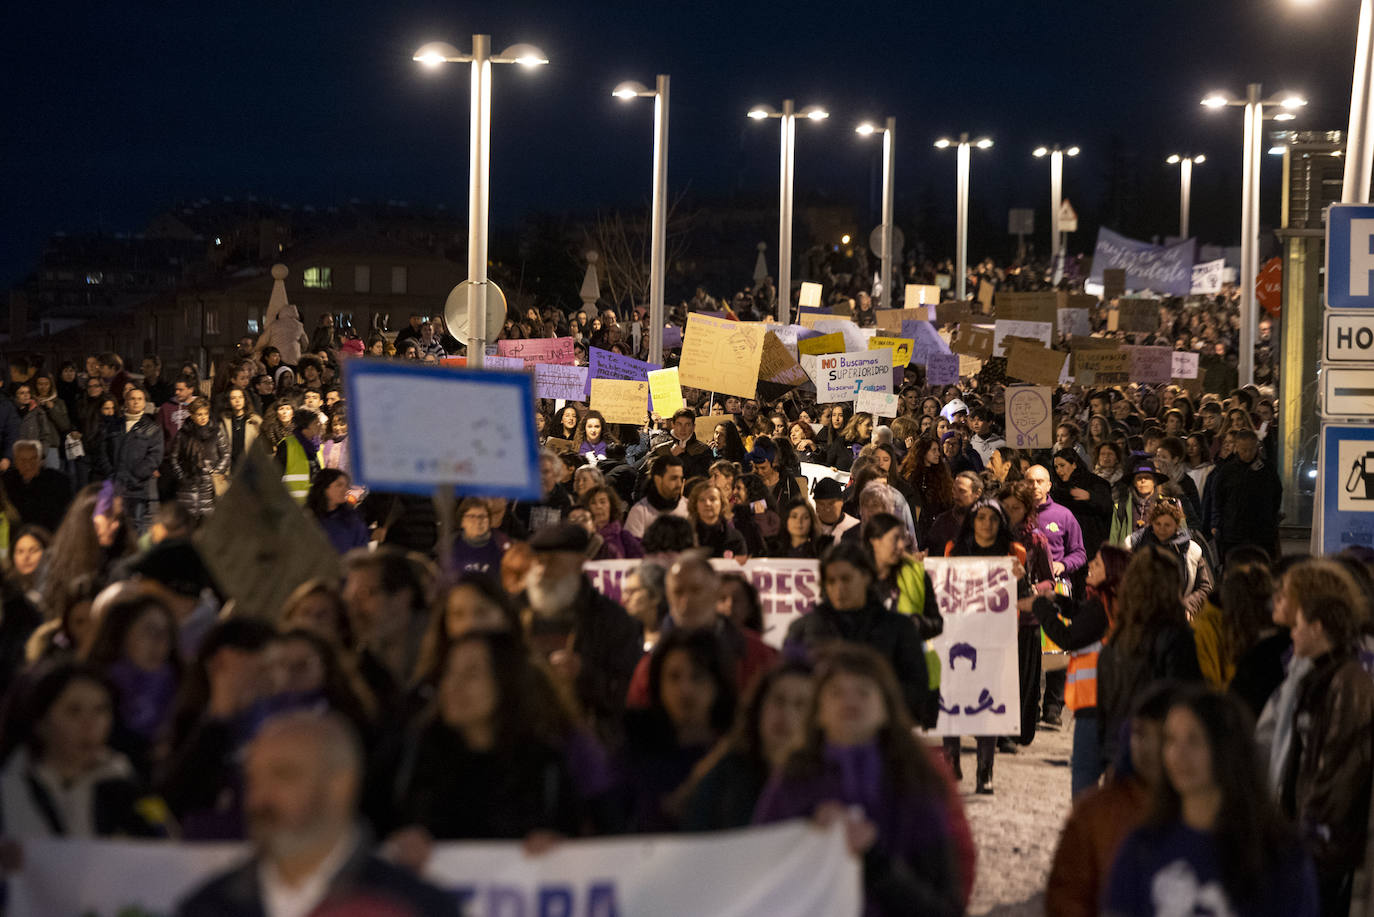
1346	468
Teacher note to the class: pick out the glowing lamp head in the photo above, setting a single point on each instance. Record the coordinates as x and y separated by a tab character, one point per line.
434	53
1215	100
629	90
943	143
523	54
814	113
984	144
1292	102
759	112
1072	151
866	129
1040	152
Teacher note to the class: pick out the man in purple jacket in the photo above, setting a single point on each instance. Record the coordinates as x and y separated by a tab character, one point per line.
1067	556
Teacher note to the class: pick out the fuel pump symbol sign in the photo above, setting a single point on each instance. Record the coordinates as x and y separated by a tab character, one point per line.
1355	463
1360	483
1346	486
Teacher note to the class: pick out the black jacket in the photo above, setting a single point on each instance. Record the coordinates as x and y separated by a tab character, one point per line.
1094	514
363	878
1169	653
721	539
135	455
1247	504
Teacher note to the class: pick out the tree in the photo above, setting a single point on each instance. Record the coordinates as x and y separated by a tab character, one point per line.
623	244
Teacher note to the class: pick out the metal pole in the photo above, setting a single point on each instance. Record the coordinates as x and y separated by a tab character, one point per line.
658	238
961	211
785	217
888	171
1185	194
1359	140
1056	201
1249	229
480	170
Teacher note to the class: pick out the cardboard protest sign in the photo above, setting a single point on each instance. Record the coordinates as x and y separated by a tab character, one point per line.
810	296
922	294
900	348
879	404
1113	283
1073	321
777	364
665	391
1207	277
841	376
1184	365
672	337
538	350
559	445
1139	316
1102	367
722	356
953	313
258	545
567	383
1083	301
825	343
973	340
1037	331
489	361
980	690
890	320
926	340
1028	307
1030	417
945	368
621	400
986	293
706	426
1034	363
1151	365
415	428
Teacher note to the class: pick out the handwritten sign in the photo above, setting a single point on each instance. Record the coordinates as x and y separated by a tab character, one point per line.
489	361
810	295
824	343
1138	315
665	391
1074	321
879	404
1034	363
900	347
607	364
566	383
973	340
979	686
1184	365
778	365
943	368
1207	277
1151	365
1030	421
841	376
621	400
722	356
485	445
1038	331
1102	366
890	320
539	350
1028	307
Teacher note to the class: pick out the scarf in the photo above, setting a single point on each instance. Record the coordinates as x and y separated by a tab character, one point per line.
860	772
145	698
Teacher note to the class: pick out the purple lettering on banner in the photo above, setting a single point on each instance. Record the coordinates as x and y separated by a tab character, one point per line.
539	350
568	383
942	369
606	364
1160	268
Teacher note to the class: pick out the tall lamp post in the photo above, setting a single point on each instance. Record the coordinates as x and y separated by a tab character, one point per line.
887	130
1056	154
1254	104
788	116
658	216
963	144
1185	187
433	55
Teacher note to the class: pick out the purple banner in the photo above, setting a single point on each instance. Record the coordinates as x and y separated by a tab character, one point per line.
605	364
1160	268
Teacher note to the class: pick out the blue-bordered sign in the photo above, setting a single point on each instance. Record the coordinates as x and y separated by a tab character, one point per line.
1347	486
1350	256
414	428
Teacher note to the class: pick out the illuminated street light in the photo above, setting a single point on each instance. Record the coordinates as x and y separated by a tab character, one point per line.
1185	187
961	206
889	165
1056	155
658	232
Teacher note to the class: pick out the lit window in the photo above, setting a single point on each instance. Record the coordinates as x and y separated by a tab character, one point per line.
362	278
253	327
212	321
398	280
319	278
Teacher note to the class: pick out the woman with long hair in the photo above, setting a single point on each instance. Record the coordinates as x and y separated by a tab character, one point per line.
327	501
846	442
92	537
1214	842
1149	640
241	424
860	763
569	422
277	426
200	458
801	532
715	532
802	438
726	443
24	568
755	514
592	435
932	485
1080	628
608	517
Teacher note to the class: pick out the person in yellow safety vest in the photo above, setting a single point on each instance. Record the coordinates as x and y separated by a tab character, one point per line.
299	454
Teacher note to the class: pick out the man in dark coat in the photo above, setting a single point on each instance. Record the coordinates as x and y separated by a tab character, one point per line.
136	455
41	495
303	773
1248	495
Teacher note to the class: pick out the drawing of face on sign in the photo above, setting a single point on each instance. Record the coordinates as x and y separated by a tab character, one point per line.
741	344
979	688
1028	418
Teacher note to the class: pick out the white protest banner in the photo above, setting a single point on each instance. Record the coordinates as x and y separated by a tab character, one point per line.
879	404
810	295
841	376
415	428
1041	331
814	472
788	589
790	868
568	383
1207	277
979	688
1184	365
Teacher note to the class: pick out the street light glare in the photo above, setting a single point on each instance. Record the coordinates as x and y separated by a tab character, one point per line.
629	90
1040	151
1073	151
1197	160
1215	100
815	113
942	144
1285	116
523	54
434	53
844	239
1277	150
865	129
984	144
1293	101
758	113
1174	159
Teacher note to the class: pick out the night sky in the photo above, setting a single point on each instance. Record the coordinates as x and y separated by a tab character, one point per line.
115	110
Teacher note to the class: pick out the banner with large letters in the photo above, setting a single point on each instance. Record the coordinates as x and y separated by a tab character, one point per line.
979	687
792	868
1161	268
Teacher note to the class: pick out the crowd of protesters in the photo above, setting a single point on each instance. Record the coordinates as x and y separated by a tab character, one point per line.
472	684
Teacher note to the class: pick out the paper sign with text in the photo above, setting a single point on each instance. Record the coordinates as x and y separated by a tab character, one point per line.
810	296
944	368
900	347
973	340
1102	366
1034	363
1028	307
1039	331
1138	316
665	391
1184	365
538	350
1030	417
778	365
566	383
722	356
841	376
879	404
621	400
1151	365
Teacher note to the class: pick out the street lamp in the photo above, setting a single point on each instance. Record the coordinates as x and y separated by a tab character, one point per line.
889	127
788	116
1185	187
659	206
1056	155
1254	104
961	205
433	55
1359	136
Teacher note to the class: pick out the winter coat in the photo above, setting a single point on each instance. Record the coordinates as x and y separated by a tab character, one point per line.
345	528
252	425
618	544
720	539
134	455
1166	653
46	423
36	803
198	454
1197	583
1247	504
1094	514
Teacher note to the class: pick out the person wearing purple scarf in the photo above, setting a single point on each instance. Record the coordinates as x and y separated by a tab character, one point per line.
861	765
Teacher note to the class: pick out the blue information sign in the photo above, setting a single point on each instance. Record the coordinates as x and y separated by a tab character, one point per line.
1350	256
1347	486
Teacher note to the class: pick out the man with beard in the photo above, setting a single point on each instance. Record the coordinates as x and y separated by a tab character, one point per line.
592	645
664	495
303	773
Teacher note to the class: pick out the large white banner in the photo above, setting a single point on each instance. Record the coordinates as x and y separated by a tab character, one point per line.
979	686
791	868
